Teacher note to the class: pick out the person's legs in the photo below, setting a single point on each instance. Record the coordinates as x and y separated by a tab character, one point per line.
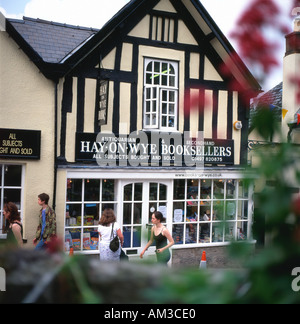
41	245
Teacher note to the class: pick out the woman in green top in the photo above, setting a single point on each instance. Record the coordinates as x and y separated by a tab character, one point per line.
161	236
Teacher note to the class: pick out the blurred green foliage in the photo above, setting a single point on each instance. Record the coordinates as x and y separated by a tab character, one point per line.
266	276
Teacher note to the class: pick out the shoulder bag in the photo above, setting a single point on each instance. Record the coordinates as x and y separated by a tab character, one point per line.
114	243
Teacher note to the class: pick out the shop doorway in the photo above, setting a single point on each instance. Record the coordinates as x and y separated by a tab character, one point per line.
139	201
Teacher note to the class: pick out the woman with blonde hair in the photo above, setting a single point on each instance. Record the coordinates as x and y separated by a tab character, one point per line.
108	228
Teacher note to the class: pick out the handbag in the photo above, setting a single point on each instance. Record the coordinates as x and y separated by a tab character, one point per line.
114	243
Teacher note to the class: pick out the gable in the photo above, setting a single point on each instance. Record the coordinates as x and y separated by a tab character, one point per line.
171	23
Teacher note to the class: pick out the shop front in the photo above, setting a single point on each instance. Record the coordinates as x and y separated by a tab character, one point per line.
202	209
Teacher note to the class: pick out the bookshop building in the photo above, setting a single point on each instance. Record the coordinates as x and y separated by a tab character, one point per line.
150	113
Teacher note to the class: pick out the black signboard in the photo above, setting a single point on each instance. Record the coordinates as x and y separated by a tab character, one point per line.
103	87
20	144
152	149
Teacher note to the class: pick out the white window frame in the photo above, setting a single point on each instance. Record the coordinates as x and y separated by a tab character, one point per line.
3	187
153	96
123	177
213	222
82	203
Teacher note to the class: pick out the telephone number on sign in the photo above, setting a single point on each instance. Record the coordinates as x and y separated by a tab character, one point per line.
213	159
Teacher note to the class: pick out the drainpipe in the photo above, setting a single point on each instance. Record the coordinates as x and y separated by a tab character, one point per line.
55	142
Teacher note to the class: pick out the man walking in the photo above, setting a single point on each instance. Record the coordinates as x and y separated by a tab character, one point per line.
46	229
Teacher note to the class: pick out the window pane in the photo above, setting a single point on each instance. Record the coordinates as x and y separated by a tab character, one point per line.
91	214
108	190
149	78
217	232
204	233
13	195
205	211
179	189
153	120
230	210
242	210
171	69
171	96
205	189
164	80
218	189
192	189
171	109
12	175
191	233
137	230
172	81
127	213
162	192
230	189
74	189
138	192
148	93
73	213
137	214
90	239
192	211
218	210
230	232
178	212
164	108
91	190
75	236
154	106
153	191
147	120
152	209
164	95
243	190
178	233
242	231
149	67
128	192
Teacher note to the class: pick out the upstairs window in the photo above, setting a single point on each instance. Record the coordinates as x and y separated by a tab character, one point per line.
161	95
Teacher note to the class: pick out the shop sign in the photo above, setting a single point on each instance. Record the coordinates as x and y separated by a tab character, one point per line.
103	87
20	144
153	149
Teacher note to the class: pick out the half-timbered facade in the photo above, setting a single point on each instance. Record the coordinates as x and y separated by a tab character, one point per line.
151	113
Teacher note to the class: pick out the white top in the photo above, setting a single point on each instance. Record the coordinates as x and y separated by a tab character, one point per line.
105	232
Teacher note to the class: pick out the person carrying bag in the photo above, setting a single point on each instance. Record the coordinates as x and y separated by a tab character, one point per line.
110	236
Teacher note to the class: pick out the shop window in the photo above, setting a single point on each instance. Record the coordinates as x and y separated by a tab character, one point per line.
161	95
85	201
10	189
210	211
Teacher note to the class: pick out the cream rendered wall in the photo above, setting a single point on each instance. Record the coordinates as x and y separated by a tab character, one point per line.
27	102
60	201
